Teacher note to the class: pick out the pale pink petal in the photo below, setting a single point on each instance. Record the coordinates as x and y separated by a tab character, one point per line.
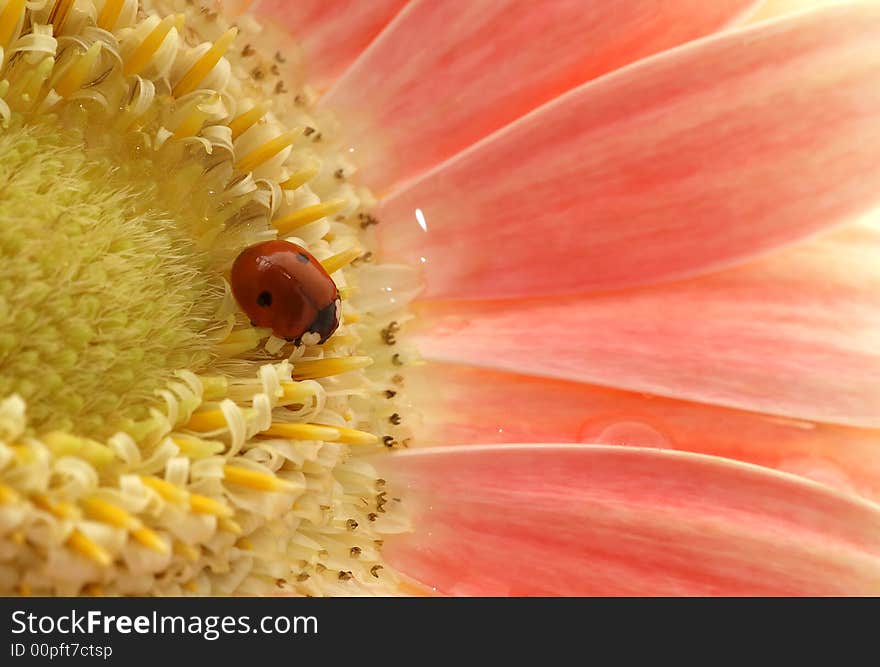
685	162
797	334
446	74
331	33
461	405
773	8
582	520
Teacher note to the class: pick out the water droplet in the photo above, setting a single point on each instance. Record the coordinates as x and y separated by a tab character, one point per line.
420	218
629	433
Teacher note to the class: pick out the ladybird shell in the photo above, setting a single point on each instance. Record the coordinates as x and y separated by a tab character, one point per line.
281	286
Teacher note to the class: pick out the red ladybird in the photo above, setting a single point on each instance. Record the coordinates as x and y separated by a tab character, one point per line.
279	285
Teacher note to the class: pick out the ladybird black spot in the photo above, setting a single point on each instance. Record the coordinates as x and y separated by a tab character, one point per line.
264	299
303	258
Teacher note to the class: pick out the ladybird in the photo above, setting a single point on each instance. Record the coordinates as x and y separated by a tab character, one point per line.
280	285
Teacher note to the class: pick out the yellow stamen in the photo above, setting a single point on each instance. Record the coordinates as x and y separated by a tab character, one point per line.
214	387
352	436
302	431
186	551
299	178
197	503
61	509
110	14
147	49
83	545
192	123
150	539
211	420
295	392
245	543
9	19
166	490
196	448
242	123
59	14
307	215
229	526
334	263
205	505
203	66
253	479
8	495
75	75
105	512
320	368
267	151
64	444
242	340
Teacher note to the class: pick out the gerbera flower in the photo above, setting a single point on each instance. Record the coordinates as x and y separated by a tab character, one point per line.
633	241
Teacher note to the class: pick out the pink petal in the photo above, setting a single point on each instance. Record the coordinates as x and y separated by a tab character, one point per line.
462	405
446	74
584	520
796	335
682	163
332	33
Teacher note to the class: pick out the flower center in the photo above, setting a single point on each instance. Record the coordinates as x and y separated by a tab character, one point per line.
153	440
108	292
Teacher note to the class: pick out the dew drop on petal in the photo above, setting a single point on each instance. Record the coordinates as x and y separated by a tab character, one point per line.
420	218
630	433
